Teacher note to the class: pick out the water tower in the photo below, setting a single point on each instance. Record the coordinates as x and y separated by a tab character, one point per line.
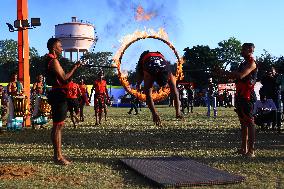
76	36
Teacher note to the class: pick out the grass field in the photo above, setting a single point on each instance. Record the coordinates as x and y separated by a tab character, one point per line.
26	156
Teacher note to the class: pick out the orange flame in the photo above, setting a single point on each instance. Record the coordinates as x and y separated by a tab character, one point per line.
179	73
141	15
126	41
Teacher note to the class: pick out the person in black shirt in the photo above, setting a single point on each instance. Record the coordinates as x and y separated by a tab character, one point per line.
270	86
190	98
271	90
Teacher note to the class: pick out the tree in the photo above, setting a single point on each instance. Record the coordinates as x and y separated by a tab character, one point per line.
87	72
229	53
264	63
200	61
9	51
6	70
33	52
279	64
98	61
9	58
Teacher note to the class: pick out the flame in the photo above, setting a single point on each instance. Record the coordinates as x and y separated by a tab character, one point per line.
126	41
179	73
124	73
141	15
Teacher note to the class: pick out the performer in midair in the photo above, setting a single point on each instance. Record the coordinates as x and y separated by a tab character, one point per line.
152	67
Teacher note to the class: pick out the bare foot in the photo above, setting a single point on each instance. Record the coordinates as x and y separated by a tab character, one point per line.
250	154
77	119
241	151
62	161
179	116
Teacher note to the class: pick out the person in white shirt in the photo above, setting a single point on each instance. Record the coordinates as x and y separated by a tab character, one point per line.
265	111
183	98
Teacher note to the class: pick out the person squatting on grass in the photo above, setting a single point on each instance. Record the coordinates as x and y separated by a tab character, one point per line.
152	67
58	79
100	98
245	98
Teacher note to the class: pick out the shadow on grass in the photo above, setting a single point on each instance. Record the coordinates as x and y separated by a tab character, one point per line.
157	139
129	176
147	139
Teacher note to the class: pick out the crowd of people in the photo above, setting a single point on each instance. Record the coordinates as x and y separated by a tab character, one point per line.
66	95
267	110
210	97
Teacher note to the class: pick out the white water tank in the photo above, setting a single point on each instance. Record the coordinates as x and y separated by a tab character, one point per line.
76	36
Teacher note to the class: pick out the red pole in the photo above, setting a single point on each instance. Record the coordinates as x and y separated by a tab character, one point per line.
20	42
23	52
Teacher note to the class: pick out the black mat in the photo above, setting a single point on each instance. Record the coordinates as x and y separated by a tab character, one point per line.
180	171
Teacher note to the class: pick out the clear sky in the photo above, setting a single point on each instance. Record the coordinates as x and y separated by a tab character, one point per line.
187	22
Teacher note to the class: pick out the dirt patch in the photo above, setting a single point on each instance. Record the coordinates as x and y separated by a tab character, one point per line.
16	171
73	180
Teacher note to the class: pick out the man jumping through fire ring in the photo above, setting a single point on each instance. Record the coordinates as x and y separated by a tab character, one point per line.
152	67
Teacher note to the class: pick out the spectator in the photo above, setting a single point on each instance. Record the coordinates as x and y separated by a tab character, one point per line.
83	99
100	97
211	97
270	86
183	98
265	112
225	98
73	94
190	98
133	104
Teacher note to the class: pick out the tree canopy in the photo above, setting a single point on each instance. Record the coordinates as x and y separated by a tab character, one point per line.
228	52
200	63
9	58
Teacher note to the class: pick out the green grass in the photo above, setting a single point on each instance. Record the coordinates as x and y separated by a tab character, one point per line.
95	150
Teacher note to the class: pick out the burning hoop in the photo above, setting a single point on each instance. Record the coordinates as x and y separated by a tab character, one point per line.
129	40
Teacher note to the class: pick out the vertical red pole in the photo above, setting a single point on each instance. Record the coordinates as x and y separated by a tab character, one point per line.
23	52
20	43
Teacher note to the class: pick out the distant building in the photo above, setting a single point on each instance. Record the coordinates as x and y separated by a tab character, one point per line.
76	36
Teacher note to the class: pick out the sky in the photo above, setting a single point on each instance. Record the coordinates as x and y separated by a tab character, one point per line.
187	22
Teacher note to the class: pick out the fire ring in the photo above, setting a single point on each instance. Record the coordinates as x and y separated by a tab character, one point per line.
157	95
